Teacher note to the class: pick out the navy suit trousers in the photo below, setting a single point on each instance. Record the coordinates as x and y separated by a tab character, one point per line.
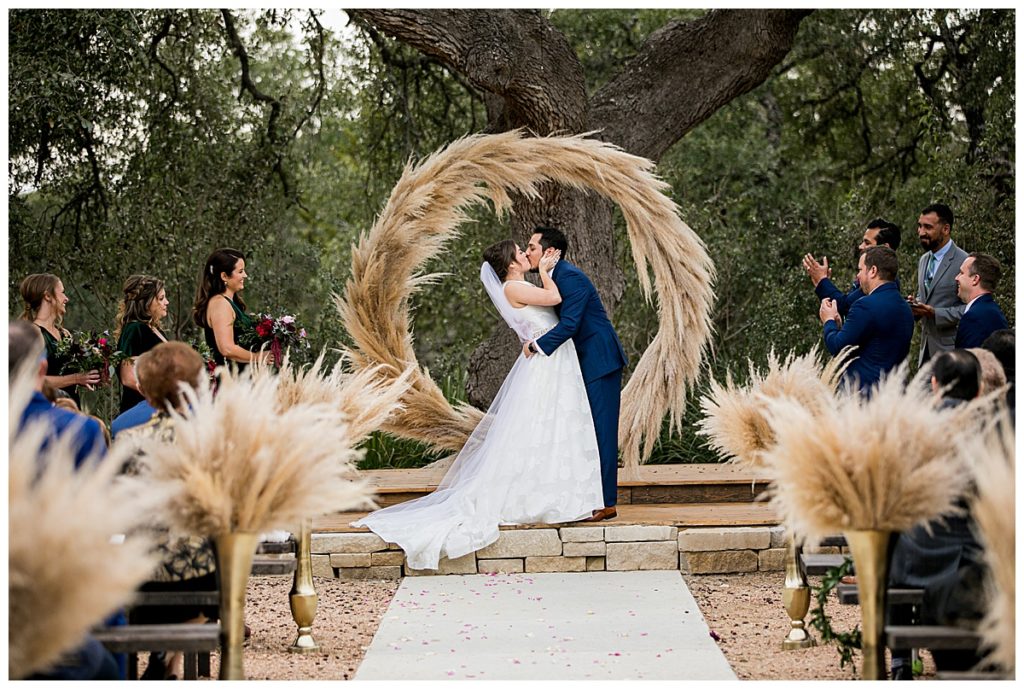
604	394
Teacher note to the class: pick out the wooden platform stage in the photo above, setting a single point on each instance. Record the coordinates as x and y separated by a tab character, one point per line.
664	494
654	484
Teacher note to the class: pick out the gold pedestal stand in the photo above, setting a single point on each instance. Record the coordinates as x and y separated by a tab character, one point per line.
235	551
796	597
303	597
870	551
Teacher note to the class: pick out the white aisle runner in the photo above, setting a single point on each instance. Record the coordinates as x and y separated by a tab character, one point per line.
593	625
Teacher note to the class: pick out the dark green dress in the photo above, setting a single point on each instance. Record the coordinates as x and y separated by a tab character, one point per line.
243	324
136	338
55	363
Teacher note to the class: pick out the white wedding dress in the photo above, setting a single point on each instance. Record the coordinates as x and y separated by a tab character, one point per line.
532	459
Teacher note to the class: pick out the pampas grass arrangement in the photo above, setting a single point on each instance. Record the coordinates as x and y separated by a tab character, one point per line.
425	209
886	463
365	397
992	456
735	418
239	462
65	574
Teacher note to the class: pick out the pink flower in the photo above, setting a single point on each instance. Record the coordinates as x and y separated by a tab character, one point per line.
103	342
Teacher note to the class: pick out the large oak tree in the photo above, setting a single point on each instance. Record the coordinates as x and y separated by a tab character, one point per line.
529	76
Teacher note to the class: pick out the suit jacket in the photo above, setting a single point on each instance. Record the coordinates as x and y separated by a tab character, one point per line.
881	325
939	334
581	316
981	320
88	436
826	289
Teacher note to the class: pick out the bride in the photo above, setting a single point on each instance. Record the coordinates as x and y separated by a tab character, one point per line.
533	458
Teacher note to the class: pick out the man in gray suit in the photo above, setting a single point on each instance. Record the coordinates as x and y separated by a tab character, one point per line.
937	304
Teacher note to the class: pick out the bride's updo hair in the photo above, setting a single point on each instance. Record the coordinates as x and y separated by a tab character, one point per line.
501	256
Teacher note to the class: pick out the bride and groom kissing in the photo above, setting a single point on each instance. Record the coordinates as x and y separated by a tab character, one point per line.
546	451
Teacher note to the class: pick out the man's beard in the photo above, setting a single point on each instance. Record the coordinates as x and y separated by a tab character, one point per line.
534	269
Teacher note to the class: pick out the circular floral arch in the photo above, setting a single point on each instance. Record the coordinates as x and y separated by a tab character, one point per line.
427	206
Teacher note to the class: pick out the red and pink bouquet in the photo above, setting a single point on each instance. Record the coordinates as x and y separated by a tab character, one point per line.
88	351
278	333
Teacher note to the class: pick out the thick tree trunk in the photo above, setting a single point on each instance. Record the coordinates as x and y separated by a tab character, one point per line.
531	78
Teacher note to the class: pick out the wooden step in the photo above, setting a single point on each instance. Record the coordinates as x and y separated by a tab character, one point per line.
848	595
652	484
682	515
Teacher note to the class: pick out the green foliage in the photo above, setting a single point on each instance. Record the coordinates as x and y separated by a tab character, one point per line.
135	149
846	642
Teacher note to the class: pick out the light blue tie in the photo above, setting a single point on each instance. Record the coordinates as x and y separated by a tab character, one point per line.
930	273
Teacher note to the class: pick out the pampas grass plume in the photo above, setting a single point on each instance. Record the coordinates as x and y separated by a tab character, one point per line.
735	418
992	456
886	463
65	574
240	462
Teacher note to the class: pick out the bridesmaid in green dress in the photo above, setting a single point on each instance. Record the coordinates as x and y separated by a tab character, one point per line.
138	329
46	305
220	311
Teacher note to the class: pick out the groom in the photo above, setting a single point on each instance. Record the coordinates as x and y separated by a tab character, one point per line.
582	317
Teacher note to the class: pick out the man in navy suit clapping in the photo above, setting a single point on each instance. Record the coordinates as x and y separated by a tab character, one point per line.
979	275
880	324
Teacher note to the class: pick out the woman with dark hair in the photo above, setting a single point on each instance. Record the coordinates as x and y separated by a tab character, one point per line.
220	311
534	457
138	330
46	305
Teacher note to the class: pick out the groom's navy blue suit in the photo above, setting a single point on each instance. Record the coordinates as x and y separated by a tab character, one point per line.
582	317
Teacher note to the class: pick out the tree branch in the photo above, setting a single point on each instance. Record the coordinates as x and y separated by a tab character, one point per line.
516	55
247	85
161	34
686	71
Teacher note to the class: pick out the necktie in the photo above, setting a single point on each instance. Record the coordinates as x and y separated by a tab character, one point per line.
929	273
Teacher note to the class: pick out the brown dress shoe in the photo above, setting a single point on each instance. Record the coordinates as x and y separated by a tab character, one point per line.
602	514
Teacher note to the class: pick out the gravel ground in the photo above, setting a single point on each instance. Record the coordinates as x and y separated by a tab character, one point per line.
744	610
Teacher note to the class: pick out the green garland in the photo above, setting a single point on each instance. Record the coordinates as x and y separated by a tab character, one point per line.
845	642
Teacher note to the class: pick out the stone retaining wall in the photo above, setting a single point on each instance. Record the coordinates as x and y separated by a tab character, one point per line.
582	548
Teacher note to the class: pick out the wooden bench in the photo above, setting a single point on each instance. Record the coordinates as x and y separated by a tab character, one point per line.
191	639
820	563
848	595
932	636
837	541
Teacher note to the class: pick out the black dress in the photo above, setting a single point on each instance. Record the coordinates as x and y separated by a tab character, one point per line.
136	338
55	363
243	323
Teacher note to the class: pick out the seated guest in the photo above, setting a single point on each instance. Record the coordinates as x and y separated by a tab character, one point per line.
138	330
188	563
992	375
943	557
90	661
1002	344
136	416
977	280
25	343
880	324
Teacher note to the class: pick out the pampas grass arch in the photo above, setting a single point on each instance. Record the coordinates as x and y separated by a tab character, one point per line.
429	203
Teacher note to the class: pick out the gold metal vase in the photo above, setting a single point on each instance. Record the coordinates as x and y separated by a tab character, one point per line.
235	550
796	597
870	549
303	597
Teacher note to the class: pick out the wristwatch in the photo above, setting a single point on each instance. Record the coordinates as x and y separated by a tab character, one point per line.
532	347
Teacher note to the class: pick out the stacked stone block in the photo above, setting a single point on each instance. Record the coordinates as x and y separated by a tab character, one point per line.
571	548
